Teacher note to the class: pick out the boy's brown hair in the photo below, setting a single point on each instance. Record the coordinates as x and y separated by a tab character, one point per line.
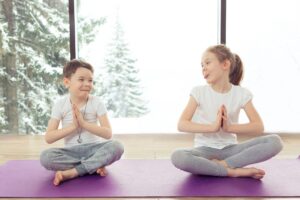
71	67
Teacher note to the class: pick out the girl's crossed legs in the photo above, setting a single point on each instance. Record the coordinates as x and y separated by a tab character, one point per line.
230	160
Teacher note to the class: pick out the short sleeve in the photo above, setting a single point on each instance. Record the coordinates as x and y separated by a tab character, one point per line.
195	92
101	109
56	111
246	97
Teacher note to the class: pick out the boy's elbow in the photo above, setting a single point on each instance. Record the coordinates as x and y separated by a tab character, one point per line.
108	134
48	140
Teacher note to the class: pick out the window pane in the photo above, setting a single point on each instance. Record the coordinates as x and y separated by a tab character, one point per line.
266	34
34	44
165	39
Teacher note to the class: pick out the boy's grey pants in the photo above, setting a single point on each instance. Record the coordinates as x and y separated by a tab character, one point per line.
198	160
85	158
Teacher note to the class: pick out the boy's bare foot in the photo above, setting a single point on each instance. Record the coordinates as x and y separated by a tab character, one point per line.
246	172
101	171
61	176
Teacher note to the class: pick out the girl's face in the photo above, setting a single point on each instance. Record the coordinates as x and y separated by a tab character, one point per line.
212	68
81	83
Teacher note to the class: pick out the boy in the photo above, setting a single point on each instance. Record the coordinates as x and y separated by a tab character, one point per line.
87	146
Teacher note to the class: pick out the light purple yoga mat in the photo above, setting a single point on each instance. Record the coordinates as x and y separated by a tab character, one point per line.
148	178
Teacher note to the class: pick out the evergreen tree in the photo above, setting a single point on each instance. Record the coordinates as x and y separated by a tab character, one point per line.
122	92
34	45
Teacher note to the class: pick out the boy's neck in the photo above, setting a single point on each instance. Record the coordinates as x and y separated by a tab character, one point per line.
78	101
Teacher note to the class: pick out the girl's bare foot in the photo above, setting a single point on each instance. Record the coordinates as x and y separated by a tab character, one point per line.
222	162
242	172
101	171
246	172
61	176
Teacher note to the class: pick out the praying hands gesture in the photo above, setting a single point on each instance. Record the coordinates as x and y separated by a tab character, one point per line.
78	119
222	120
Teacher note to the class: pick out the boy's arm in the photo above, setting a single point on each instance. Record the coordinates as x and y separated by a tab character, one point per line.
255	125
53	133
186	125
104	130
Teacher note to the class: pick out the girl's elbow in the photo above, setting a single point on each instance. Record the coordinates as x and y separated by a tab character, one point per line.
180	126
260	129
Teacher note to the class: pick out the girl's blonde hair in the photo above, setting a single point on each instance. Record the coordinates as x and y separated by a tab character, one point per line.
236	65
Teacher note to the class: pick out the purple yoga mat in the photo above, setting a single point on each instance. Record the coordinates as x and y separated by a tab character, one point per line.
148	178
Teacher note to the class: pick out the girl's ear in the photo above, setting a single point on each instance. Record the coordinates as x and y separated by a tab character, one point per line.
66	82
226	64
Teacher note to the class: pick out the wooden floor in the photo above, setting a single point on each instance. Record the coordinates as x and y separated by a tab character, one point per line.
137	146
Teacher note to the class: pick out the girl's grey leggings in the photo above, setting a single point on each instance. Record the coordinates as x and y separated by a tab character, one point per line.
198	160
85	158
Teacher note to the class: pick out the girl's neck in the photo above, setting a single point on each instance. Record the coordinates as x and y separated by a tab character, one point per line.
222	86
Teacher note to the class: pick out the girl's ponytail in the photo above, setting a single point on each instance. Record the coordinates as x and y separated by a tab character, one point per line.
236	70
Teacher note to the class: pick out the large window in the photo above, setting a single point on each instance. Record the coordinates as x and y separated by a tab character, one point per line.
160	43
146	56
266	34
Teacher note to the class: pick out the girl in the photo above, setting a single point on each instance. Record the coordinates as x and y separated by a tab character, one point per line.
212	112
87	148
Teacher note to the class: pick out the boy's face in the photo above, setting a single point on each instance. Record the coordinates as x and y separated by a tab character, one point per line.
80	84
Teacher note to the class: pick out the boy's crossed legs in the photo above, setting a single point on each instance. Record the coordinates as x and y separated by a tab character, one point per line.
79	160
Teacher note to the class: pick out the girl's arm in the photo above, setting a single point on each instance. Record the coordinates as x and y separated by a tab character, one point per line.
104	130
255	125
53	133
186	125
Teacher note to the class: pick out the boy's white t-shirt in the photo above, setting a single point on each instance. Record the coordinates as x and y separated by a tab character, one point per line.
209	102
62	110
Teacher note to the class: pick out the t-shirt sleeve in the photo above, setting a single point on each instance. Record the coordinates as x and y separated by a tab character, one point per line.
246	97
101	109
195	92
57	111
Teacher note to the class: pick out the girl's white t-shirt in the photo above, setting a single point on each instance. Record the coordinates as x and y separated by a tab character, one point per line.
94	108
209	102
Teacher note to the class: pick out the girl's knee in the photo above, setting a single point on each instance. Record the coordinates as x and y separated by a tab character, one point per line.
275	142
178	158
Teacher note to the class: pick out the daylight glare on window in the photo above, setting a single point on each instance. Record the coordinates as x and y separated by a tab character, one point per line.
150	50
268	44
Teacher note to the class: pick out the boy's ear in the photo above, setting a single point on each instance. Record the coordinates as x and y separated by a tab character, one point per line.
66	82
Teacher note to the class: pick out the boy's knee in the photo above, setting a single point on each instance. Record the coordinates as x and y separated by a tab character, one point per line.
117	147
44	159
